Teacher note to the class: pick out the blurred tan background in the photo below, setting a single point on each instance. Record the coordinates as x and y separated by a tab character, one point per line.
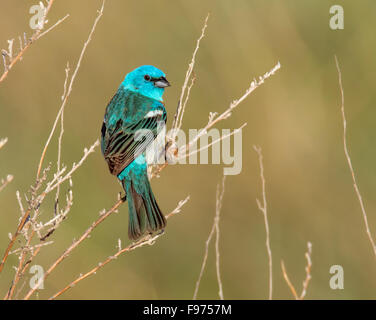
295	117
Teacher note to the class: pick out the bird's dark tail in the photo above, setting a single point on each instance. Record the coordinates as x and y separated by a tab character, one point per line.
144	213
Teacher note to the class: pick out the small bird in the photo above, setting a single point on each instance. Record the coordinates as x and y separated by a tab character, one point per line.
136	106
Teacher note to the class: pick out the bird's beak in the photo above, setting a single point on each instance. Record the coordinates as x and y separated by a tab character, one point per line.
161	82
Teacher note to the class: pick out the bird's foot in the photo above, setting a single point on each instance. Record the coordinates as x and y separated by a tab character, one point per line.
122	198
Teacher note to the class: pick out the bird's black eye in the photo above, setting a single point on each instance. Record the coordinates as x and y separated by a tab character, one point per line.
147	77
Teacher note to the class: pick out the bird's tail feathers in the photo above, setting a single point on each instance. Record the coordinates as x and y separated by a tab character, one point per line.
144	212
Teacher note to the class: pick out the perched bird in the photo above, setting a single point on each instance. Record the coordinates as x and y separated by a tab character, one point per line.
136	107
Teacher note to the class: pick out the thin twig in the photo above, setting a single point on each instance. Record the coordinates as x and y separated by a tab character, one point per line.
349	162
218	207
215	228
184	97
290	285
75	244
212	143
5	182
204	261
13	238
264	210
52	185
52	27
18	270
56	184
214	118
37	34
308	270
61	135
100	13
22	267
146	240
3	141
307	278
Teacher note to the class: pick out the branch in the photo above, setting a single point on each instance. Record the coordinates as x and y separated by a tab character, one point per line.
5	182
13	238
58	163
214	118
67	94
215	228
264	210
75	244
307	278
34	204
52	27
308	270
53	184
146	240
27	43
349	162
178	118
218	207
58	178
3	141
213	142
9	177
290	285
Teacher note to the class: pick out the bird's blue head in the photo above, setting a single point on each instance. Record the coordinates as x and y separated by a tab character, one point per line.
148	81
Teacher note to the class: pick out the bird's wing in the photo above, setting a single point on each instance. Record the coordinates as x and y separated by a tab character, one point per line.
127	141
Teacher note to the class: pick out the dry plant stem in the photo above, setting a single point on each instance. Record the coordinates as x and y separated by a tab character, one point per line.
52	185
178	119
218	207
61	135
213	142
25	267
215	228
3	141
37	35
207	243
307	279
52	27
5	182
69	90
19	269
349	162
290	285
264	210
9	177
308	270
37	246
65	99
13	239
75	244
146	240
21	266
214	118
60	115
